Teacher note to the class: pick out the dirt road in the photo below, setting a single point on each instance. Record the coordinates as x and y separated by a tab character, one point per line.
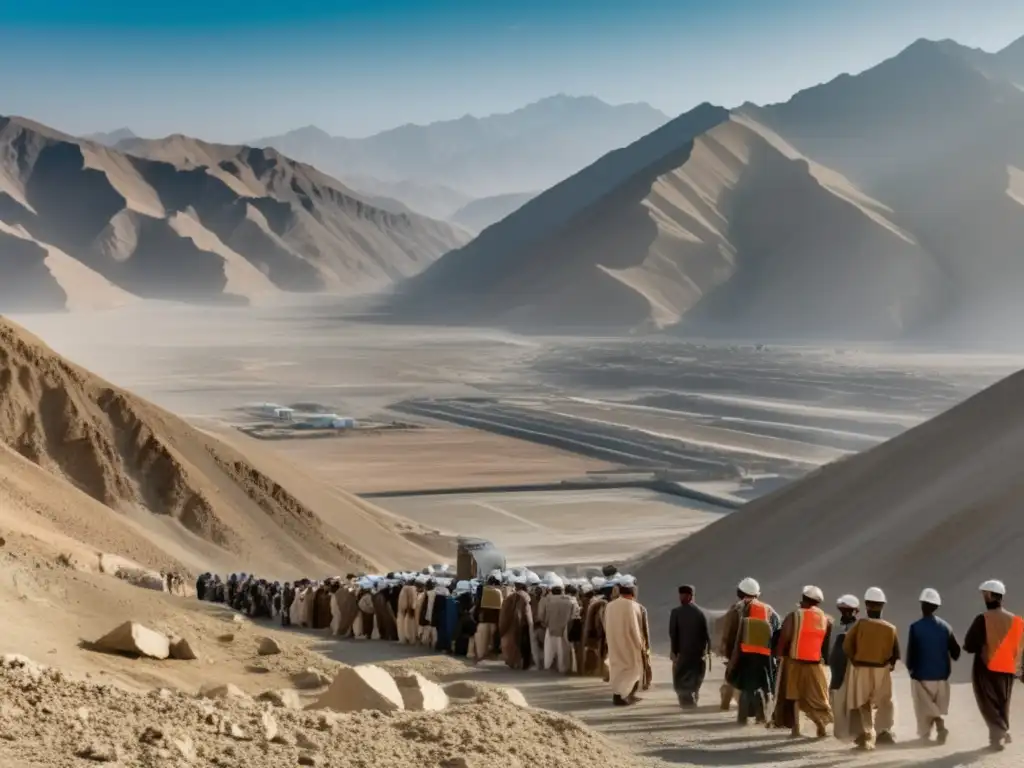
662	735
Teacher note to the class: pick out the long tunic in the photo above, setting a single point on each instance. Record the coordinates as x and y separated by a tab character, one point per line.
800	683
595	647
387	627
992	690
515	626
690	640
627	651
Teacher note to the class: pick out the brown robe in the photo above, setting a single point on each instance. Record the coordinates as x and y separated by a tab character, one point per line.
387	626
348	606
515	623
645	630
322	608
595	649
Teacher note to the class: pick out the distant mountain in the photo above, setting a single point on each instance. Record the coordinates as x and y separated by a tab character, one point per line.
110	138
85	225
885	204
479	214
531	148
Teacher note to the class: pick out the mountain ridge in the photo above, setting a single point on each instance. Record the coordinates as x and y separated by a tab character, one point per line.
891	152
192	221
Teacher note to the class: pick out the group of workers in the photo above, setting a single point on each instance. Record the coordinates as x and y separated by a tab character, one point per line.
835	673
572	626
776	667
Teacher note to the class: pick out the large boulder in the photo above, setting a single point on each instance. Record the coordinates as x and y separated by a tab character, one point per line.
420	694
360	688
135	639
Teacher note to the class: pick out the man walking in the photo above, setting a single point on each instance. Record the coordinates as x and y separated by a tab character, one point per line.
751	668
995	639
847	722
627	651
803	647
691	643
873	649
931	649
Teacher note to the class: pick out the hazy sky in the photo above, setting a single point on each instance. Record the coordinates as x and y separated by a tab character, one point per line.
241	69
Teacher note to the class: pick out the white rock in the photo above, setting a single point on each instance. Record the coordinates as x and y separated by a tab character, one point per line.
269	726
284	698
366	687
420	694
221	691
311	678
135	639
268	647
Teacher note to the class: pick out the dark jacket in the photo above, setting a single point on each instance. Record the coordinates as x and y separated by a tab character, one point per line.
930	647
837	658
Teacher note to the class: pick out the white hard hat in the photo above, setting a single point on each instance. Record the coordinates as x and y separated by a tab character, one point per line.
597	582
994	586
556	581
931	596
874	595
627	581
750	587
550	577
848	601
813	593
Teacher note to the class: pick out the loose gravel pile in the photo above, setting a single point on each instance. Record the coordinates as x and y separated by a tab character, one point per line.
47	719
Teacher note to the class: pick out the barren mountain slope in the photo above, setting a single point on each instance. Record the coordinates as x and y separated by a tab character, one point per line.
199	222
937	134
161	490
937	506
730	228
914	231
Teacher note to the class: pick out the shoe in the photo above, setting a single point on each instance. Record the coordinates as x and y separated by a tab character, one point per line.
941	735
885	737
1007	739
821	733
618	701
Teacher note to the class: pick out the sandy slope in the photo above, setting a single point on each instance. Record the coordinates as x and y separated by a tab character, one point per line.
134	480
194	221
936	506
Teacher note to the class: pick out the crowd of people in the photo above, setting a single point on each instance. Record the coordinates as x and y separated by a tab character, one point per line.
836	673
592	627
840	674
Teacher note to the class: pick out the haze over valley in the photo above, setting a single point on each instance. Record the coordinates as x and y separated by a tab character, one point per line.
701	294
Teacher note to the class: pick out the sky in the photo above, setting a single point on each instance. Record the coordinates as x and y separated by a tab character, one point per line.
234	70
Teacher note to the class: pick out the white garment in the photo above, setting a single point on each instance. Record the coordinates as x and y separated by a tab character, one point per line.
557	650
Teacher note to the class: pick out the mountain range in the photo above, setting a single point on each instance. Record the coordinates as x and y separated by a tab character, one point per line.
86	225
531	148
878	205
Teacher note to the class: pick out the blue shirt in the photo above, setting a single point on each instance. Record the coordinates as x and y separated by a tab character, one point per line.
930	648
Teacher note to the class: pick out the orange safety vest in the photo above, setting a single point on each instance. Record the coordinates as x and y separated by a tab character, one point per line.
755	631
811	626
1005	656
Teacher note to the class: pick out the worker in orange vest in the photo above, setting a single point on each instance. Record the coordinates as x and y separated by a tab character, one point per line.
751	668
995	640
803	647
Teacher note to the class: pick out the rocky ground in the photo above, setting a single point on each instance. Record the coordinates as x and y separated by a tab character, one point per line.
48	719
